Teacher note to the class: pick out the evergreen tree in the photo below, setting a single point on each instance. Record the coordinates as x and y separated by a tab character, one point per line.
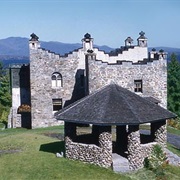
1	69
5	97
174	85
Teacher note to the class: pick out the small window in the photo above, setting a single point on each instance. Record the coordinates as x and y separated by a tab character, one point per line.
57	104
138	86
56	79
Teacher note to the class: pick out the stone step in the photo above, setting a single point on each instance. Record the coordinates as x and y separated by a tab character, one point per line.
172	158
120	164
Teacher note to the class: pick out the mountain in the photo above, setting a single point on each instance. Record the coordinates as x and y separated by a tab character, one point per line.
169	50
12	48
17	48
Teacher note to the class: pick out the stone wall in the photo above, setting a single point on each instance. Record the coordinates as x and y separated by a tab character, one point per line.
135	156
153	75
147	149
90	153
137	152
14	119
42	65
159	131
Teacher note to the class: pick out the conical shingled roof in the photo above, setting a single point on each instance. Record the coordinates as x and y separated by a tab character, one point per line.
113	105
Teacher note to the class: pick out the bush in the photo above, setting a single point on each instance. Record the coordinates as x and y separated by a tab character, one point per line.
157	162
24	108
175	123
4	112
2	126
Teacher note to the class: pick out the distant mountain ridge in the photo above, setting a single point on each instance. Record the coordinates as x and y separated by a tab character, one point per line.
17	48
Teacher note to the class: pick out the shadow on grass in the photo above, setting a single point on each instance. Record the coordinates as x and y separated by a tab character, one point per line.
53	147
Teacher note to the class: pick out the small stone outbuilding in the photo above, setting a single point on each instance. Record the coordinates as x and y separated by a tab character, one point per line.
114	106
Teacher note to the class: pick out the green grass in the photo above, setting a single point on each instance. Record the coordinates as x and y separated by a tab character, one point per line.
171	173
173	149
30	154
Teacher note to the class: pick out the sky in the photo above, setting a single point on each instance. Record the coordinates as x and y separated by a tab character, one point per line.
109	22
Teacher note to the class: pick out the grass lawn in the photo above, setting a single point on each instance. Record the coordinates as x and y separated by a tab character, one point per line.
30	154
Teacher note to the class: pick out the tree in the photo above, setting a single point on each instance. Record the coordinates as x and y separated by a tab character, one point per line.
173	82
5	97
1	69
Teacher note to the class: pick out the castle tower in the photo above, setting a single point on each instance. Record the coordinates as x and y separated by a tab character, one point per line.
153	53
162	55
87	42
33	42
142	40
129	41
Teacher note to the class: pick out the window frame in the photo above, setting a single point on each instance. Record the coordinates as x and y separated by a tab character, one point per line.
56	80
138	86
57	104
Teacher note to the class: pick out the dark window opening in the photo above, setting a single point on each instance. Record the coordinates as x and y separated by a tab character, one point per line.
138	86
57	104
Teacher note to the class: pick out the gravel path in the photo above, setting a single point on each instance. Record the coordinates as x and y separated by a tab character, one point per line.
174	140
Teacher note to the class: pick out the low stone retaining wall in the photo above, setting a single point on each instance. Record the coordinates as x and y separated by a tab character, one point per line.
91	153
137	152
161	135
147	149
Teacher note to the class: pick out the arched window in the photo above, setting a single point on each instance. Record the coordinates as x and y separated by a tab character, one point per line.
56	79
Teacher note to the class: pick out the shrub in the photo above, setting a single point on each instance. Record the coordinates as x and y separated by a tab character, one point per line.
4	112
2	126
24	108
157	162
175	123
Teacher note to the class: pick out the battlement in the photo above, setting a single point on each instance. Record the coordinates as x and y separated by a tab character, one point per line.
120	50
151	73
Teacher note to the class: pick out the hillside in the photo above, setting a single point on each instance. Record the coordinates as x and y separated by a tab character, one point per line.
169	50
16	48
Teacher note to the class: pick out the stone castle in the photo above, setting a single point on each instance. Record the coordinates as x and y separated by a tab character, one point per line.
51	81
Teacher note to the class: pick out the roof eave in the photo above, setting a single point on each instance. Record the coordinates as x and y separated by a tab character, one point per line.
113	123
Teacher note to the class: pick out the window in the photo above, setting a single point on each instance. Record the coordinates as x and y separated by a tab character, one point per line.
56	79
138	86
57	104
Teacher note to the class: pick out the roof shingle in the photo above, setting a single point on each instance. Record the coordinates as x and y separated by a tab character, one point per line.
113	105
